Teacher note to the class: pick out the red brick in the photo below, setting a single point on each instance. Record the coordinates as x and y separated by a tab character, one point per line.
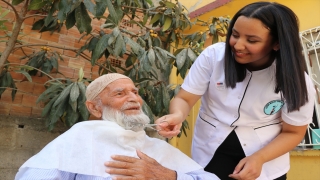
31	33
4	107
40	79
17	76
58	48
6	97
66	71
37	41
25	86
87	66
50	37
63	30
69	53
76	63
38	89
65	61
26	51
67	41
29	21
74	32
29	100
36	112
78	44
20	110
4	5
14	59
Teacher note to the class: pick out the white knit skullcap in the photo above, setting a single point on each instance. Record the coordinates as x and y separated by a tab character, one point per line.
98	85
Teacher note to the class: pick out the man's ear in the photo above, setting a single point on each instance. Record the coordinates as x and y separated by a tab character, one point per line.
94	109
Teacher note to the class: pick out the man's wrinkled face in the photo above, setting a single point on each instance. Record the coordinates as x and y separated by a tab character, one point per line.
123	96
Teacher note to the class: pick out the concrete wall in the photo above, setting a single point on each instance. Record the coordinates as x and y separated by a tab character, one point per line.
21	138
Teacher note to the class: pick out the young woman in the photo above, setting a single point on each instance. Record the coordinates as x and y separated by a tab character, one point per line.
256	98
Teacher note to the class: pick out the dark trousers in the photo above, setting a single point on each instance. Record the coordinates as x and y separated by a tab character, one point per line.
227	157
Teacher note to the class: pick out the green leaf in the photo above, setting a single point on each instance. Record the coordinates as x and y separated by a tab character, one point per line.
155	18
83	20
71	20
112	11
63	95
90	6
181	58
100	48
169	4
16	2
81	74
119	46
38	24
36	4
146	109
71	117
151	56
135	47
48	107
25	74
192	56
64	9
53	89
92	44
49	17
100	8
167	23
74	93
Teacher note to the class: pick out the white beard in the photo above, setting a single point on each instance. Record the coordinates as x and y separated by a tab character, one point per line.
128	122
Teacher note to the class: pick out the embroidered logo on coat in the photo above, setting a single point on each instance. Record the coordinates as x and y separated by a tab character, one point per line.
273	107
220	85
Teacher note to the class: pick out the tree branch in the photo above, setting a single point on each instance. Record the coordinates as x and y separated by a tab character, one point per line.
41	15
13	8
59	47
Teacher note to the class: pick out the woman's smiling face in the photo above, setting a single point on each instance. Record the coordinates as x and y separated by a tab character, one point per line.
252	43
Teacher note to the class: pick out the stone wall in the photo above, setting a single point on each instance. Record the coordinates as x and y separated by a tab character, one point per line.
21	138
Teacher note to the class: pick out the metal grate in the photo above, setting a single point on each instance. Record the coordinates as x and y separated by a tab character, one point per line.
310	40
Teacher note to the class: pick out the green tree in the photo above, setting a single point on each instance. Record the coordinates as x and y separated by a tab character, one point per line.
151	51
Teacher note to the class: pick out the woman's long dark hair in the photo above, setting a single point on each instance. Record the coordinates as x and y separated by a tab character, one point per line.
290	64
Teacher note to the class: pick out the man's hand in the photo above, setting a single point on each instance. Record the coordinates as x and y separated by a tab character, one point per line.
249	168
125	167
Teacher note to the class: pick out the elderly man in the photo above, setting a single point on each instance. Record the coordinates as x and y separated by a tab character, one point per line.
80	152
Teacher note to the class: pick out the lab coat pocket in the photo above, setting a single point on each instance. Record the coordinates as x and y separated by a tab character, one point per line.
268	132
205	129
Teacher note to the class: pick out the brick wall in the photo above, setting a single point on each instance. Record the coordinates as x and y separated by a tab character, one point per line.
24	103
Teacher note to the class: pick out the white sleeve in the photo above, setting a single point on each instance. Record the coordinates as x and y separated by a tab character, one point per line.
302	116
198	78
197	175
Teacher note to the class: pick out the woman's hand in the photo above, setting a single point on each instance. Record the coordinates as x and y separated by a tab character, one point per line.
169	125
144	167
249	168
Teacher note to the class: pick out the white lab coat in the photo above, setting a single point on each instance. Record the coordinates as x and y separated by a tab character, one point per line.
252	109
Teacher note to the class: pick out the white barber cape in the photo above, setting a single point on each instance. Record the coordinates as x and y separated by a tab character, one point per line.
87	145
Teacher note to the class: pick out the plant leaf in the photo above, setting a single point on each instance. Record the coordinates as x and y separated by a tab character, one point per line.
16	2
90	6
71	20
155	18
167	23
74	93
63	95
36	4
83	20
100	8
25	74
181	58
100	48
